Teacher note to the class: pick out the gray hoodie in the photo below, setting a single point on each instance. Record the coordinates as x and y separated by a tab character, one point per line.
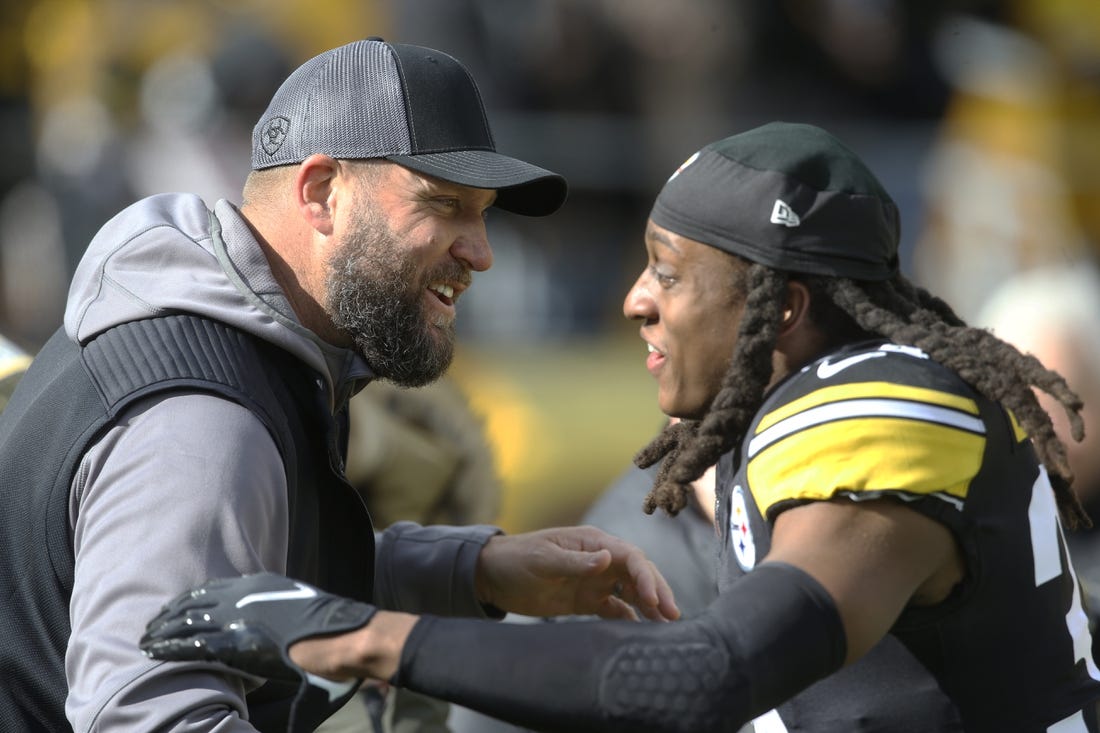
141	532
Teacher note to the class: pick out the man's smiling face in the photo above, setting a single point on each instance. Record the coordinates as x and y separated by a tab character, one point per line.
411	245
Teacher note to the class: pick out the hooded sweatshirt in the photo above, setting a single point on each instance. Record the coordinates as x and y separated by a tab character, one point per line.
142	532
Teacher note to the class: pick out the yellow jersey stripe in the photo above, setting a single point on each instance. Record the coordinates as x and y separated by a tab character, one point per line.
861	390
1017	431
861	408
870	454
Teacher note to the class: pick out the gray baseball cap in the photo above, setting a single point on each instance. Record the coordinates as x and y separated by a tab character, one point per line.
415	106
786	195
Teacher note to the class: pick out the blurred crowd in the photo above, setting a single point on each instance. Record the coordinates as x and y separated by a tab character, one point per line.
980	116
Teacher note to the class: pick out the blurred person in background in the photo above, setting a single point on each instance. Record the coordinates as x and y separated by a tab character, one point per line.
1012	182
1053	313
891	498
189	420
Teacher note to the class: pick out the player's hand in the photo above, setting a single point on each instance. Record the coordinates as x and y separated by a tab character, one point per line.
249	623
572	570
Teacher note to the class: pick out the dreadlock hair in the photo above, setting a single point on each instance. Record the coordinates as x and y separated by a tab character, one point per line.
848	311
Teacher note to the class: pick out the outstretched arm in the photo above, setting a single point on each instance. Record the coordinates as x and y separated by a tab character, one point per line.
713	672
474	571
775	632
837	578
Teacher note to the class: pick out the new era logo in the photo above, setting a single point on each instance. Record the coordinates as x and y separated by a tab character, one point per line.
694	157
782	214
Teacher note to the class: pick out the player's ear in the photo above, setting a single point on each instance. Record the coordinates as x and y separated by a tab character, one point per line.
314	185
796	308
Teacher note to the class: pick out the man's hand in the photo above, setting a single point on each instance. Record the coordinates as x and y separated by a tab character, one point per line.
572	570
249	623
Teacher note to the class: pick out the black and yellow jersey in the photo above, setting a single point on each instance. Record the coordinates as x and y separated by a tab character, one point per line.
1010	648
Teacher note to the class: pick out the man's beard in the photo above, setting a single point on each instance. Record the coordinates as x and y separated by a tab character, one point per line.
374	297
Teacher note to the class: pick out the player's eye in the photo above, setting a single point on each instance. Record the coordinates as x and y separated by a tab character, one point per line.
663	278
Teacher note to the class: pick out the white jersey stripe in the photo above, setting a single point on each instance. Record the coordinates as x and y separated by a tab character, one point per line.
769	722
1073	724
848	409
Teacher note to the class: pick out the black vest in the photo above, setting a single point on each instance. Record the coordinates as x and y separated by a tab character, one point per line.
67	399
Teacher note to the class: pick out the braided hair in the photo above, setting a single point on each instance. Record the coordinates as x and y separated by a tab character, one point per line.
847	311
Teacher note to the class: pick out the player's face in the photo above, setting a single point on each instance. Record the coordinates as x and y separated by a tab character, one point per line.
689	303
409	249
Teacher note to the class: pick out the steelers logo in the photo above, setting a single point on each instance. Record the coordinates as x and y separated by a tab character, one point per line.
744	547
273	134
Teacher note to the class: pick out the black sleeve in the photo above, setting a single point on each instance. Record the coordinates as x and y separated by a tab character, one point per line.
773	633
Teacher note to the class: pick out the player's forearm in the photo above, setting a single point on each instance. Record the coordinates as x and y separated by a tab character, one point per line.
610	677
753	649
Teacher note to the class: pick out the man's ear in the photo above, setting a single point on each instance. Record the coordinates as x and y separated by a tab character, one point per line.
796	309
314	185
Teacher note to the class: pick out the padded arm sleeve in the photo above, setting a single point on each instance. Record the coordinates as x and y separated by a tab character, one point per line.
772	634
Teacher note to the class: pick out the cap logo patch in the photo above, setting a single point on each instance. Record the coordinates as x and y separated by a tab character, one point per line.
273	134
694	157
782	214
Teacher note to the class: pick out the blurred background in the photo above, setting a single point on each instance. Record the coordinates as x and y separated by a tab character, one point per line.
982	119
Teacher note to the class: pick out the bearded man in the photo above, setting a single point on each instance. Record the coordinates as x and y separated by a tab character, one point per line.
189	419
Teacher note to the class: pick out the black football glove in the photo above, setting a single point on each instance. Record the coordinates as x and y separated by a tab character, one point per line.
249	623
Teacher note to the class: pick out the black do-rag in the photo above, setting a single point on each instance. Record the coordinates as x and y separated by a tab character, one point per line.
790	196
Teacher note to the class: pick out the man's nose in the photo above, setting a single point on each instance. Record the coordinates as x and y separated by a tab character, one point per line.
472	247
638	304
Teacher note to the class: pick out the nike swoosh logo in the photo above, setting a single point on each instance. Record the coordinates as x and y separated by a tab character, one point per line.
827	369
302	591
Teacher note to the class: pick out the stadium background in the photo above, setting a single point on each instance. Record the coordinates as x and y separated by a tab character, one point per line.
981	117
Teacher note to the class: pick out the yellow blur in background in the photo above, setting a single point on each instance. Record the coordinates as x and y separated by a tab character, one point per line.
563	420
